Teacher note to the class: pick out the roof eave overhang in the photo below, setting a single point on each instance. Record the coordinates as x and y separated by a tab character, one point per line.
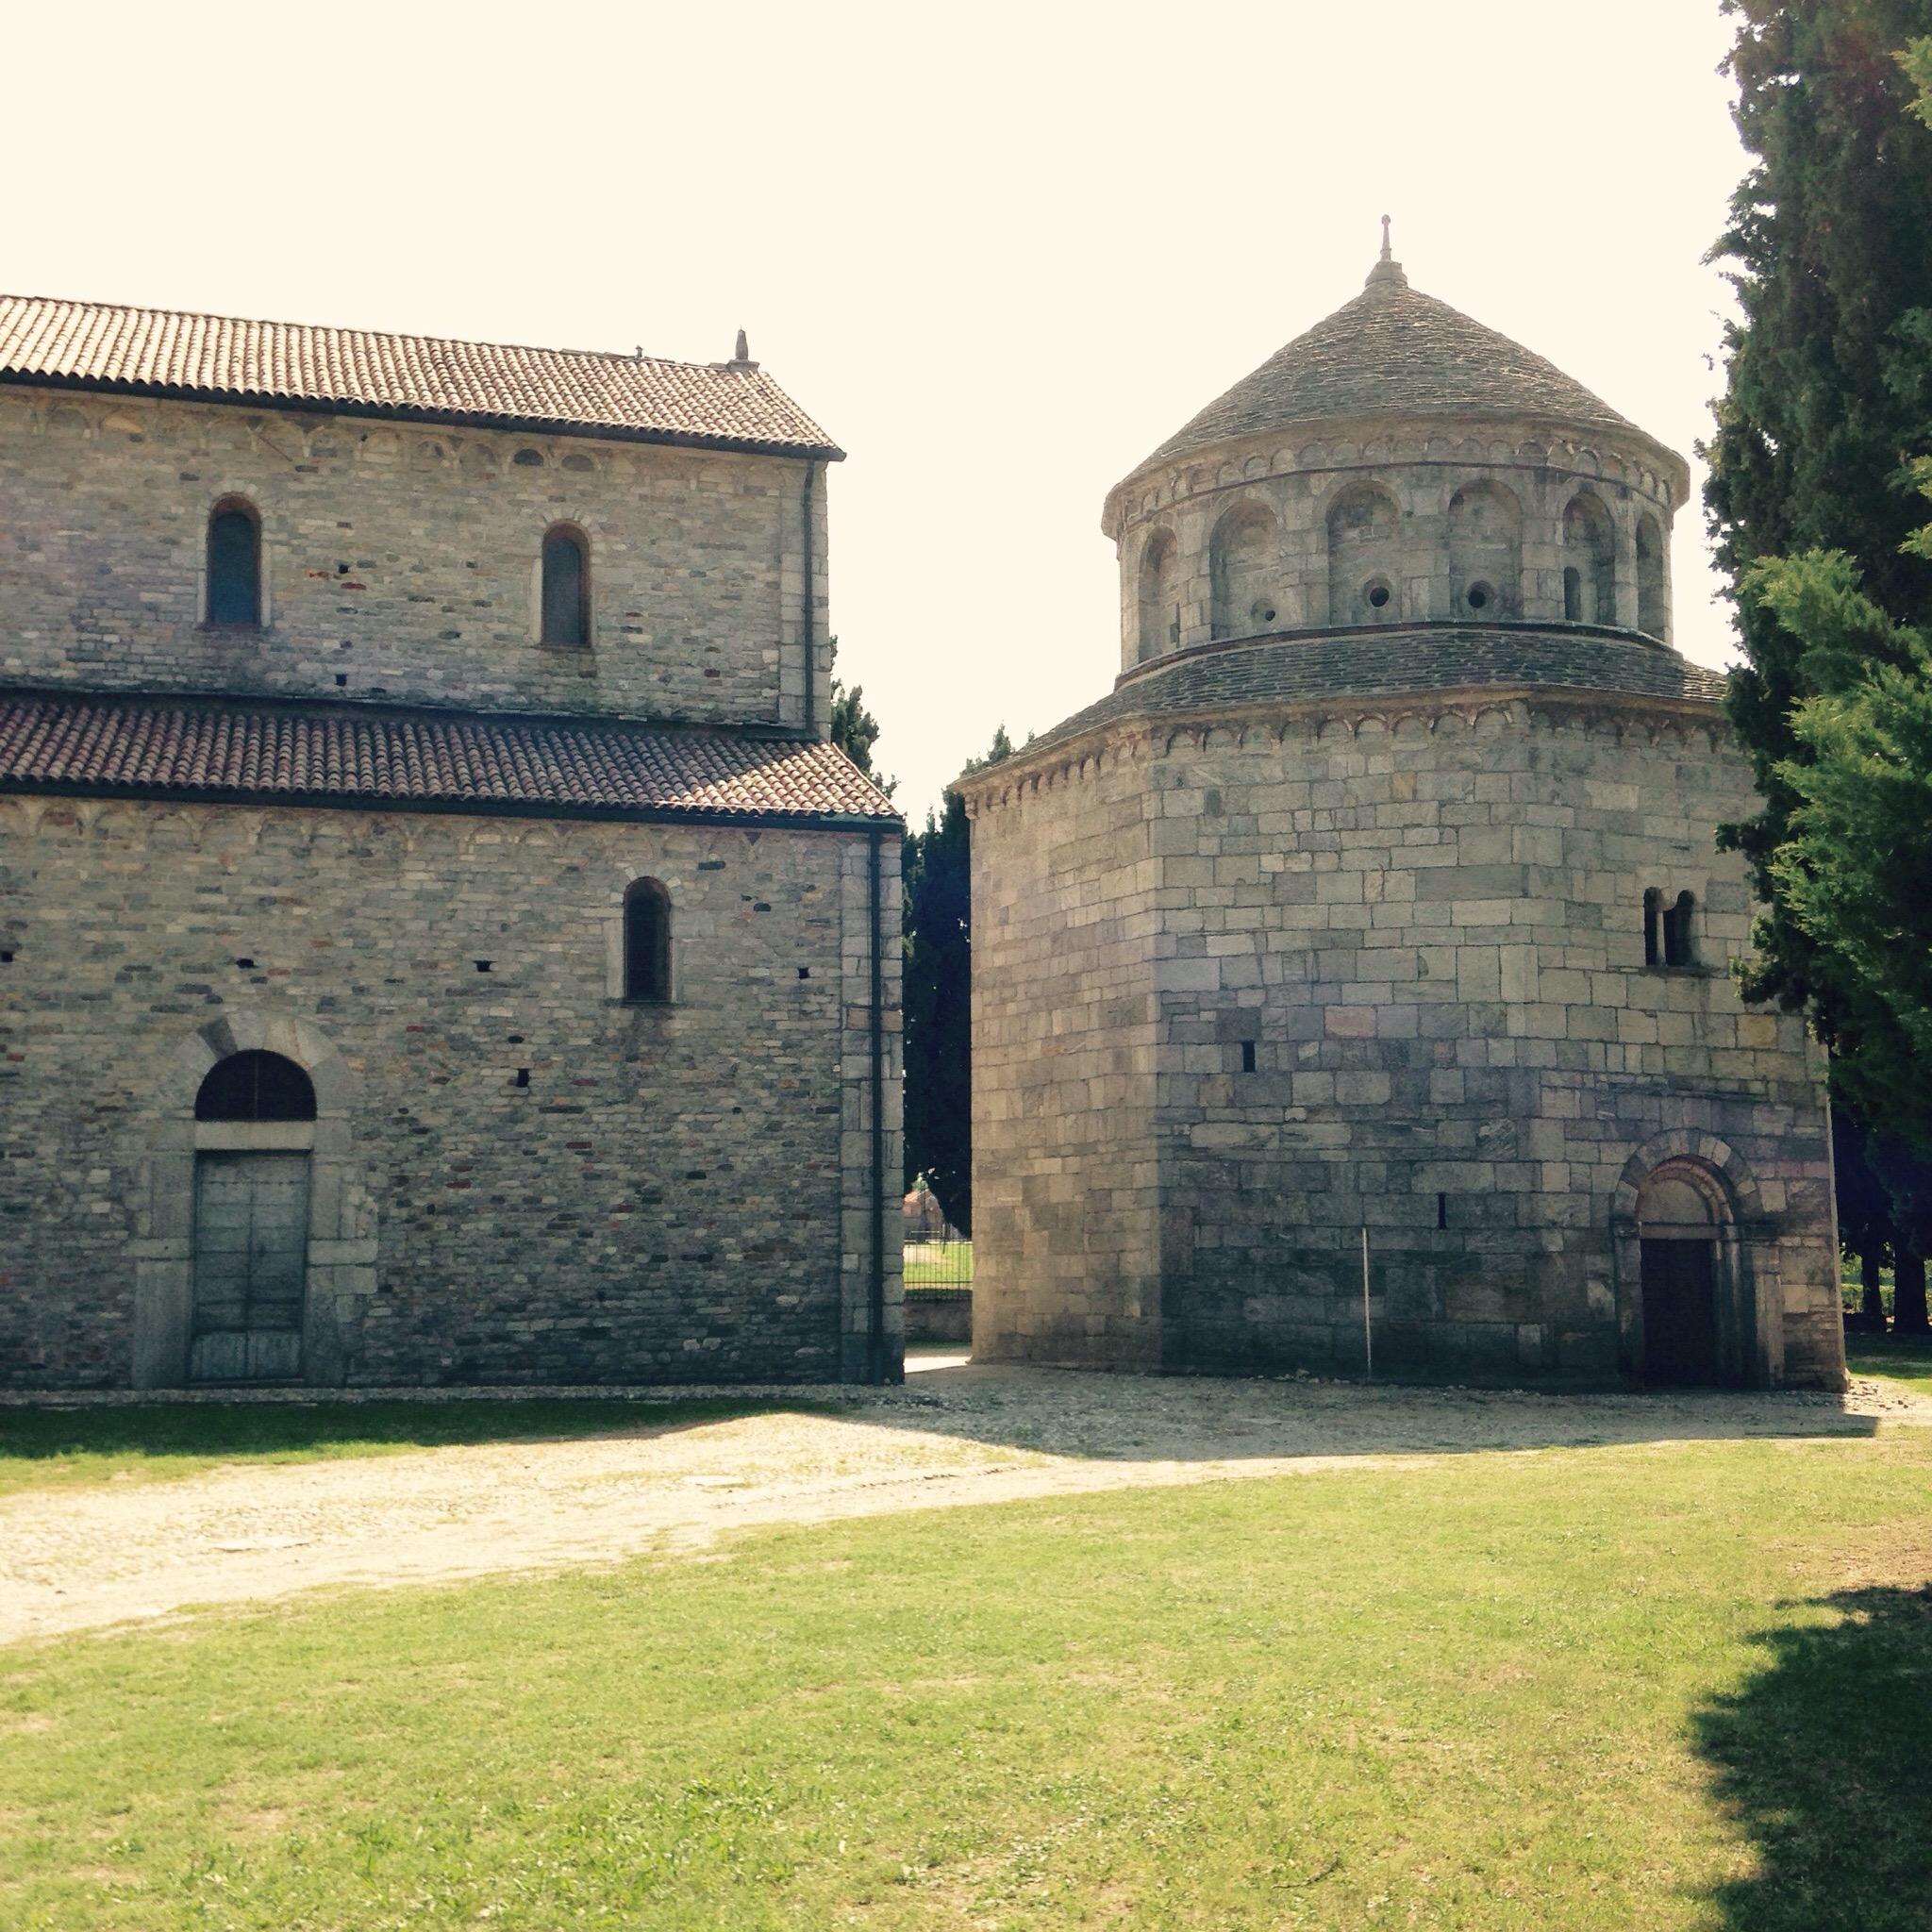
452	807
390	413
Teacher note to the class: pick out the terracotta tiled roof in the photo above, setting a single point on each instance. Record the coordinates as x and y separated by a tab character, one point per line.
1338	666
159	351
1393	351
303	754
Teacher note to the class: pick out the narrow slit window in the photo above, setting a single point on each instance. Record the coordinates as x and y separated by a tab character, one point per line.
1677	932
234	565
566	596
646	941
1653	913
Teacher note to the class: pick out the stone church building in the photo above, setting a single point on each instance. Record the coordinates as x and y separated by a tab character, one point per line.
1352	982
438	940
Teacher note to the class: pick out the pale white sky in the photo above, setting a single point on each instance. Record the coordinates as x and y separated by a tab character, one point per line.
1000	251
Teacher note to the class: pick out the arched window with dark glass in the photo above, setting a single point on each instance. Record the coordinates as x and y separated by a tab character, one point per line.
1653	918
234	563
256	1086
566	595
646	941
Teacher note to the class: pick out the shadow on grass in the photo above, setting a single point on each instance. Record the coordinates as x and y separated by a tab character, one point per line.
1907	1361
1822	1758
195	1433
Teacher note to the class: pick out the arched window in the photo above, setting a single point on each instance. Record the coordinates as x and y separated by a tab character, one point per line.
1242	566
1160	615
1653	918
256	1086
1650	578
234	563
1485	552
1590	557
1365	556
566	593
1678	948
646	941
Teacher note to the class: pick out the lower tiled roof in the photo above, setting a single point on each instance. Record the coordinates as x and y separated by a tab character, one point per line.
294	752
1342	665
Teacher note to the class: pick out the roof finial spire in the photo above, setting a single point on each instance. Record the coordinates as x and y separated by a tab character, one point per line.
1387	273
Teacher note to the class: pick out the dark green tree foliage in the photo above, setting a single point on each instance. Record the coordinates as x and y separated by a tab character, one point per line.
1828	392
939	975
854	731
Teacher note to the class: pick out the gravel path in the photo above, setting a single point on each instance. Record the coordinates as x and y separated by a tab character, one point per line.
72	1560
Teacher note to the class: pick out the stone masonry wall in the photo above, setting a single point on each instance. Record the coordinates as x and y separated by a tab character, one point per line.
1065	1262
679	1193
1426	928
400	561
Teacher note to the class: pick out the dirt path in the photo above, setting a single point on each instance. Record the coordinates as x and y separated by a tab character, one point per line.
72	1560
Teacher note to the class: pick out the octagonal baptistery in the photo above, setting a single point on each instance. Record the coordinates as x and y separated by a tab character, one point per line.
1351	984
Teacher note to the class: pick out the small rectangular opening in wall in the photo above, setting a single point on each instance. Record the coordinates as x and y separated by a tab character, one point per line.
522	1076
804	972
1247	1056
6	956
482	965
1441	1210
246	965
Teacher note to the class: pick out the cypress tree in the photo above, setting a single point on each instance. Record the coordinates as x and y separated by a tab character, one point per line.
938	1017
1828	389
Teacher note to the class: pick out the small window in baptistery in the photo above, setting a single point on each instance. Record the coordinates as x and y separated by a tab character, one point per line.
1480	596
1260	613
1376	595
1653	919
234	564
1572	595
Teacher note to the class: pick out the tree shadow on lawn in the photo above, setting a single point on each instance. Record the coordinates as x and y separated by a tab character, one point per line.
1822	1758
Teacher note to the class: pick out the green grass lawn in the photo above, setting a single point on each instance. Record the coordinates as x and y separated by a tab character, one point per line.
1663	1687
938	1264
1899	1361
42	1447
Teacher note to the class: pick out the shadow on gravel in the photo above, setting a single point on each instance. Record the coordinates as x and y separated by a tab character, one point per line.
1822	1759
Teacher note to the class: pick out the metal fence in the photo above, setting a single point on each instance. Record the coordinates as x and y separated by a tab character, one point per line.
938	1265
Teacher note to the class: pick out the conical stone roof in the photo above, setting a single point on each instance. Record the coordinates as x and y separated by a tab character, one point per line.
1392	351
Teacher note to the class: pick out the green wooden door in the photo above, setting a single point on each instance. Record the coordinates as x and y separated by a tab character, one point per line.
251	1258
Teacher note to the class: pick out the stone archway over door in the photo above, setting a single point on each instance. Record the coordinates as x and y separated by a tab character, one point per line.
254	1232
1678	1271
1685	1227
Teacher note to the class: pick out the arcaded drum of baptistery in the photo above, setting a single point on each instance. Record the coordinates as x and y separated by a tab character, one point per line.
1355	976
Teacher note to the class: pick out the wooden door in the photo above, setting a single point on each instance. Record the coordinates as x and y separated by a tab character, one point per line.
1679	1312
251	1258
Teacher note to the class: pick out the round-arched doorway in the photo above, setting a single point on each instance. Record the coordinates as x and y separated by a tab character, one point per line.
255	1131
1678	1233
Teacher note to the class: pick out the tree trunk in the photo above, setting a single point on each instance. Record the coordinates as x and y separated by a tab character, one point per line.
1909	1294
1870	1262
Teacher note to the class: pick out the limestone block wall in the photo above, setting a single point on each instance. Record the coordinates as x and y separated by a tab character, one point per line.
1065	1213
518	1177
1276	536
400	561
1398	976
